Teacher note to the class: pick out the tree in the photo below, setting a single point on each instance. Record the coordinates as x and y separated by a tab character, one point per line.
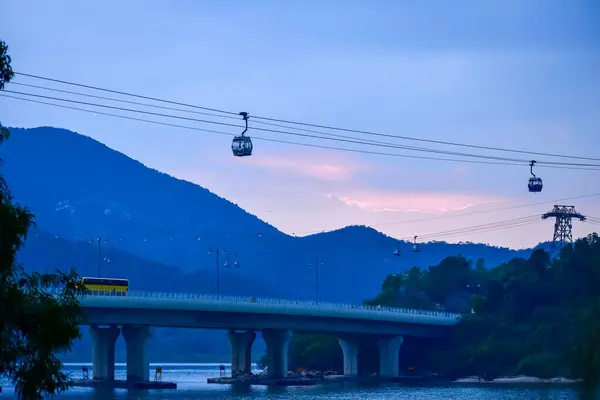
6	74
39	313
315	352
535	316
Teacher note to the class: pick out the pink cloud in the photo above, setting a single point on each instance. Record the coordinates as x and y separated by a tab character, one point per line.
331	170
459	169
432	203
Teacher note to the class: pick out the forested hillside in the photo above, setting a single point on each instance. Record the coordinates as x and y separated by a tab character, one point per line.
531	316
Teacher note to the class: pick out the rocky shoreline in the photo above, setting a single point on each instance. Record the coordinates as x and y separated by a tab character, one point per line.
517	380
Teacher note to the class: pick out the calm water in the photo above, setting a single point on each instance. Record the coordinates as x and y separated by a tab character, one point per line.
191	382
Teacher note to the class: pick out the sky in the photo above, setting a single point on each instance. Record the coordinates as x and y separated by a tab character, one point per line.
509	73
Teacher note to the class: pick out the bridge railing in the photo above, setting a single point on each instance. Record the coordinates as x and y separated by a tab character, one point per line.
273	301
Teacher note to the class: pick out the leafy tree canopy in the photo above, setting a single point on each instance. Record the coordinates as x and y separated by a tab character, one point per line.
39	313
536	316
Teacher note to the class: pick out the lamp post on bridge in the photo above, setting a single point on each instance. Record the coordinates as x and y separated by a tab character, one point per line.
316	263
99	242
217	252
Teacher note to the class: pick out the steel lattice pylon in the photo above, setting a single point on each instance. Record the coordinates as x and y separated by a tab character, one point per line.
563	225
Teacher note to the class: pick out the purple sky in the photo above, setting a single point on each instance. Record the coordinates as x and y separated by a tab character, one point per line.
508	73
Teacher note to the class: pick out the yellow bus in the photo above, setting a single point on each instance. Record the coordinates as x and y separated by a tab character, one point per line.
118	287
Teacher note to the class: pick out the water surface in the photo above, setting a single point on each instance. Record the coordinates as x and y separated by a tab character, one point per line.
191	383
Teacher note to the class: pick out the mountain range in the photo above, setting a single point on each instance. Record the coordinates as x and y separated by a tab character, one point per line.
161	232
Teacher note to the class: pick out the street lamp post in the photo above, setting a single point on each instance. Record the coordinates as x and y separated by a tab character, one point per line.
99	243
316	264
216	251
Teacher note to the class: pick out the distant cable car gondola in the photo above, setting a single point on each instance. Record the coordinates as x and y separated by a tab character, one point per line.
535	184
242	145
416	247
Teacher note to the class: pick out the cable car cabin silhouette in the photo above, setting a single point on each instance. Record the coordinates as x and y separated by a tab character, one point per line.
535	184
416	247
242	145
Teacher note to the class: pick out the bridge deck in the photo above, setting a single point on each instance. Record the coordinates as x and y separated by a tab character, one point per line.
251	305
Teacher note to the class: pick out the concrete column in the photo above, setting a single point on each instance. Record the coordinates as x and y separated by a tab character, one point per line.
278	342
389	350
350	347
103	352
241	351
136	339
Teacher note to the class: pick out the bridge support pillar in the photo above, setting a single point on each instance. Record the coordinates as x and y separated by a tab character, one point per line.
136	339
389	350
241	351
350	347
278	342
103	352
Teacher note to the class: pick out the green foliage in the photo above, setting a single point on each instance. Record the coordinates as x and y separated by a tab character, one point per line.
446	286
315	352
584	350
542	365
536	317
39	313
312	352
6	74
533	316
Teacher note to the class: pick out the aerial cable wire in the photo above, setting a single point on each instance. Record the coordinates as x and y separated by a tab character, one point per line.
259	118
276	140
437	236
474	146
126	101
188	111
307	135
220	116
480	231
341	139
469	230
486	211
125	93
360	151
497	224
465	214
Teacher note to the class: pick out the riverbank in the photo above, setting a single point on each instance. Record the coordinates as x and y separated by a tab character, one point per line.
124	384
517	380
296	380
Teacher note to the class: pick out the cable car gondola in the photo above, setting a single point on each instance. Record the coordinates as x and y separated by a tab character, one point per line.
242	145
535	184
416	247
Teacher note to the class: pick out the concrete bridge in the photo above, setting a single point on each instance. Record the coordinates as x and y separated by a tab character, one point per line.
133	315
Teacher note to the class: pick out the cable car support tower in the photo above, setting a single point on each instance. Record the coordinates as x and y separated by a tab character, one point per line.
563	225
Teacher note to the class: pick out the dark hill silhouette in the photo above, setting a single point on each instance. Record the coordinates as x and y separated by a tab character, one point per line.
45	252
80	189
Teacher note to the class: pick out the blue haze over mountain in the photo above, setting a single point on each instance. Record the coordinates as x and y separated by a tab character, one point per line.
160	230
80	189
